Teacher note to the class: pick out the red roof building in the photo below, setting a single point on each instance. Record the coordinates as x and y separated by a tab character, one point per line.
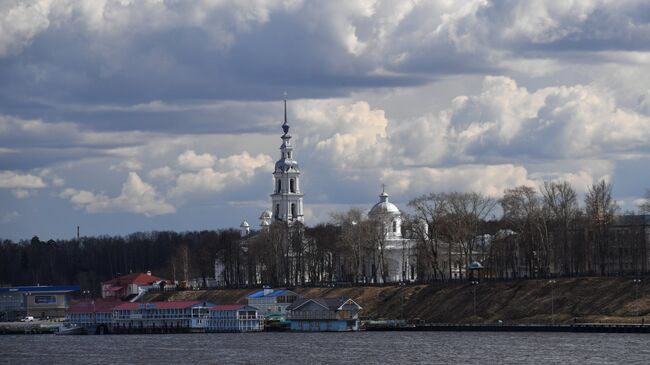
130	285
187	314
91	312
97	305
181	304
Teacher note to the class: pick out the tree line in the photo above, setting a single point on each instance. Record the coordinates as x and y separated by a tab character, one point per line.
528	233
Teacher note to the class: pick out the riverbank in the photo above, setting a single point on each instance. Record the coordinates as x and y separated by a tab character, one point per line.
565	301
32	328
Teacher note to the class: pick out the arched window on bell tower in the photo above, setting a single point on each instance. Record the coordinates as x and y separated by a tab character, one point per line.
279	185
277	211
292	186
293	210
394	226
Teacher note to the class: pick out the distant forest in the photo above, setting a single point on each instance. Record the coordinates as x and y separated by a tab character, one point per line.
91	260
539	233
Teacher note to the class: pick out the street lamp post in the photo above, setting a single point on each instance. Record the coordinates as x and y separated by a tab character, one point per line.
402	289
552	282
357	245
474	284
636	292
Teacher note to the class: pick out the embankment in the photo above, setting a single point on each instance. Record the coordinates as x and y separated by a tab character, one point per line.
607	300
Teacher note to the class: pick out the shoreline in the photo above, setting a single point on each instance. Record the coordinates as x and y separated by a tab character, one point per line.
431	327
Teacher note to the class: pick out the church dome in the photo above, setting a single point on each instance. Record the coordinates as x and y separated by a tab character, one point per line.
384	206
244	224
266	215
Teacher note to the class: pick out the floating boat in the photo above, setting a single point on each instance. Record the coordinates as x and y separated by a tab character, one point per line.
70	330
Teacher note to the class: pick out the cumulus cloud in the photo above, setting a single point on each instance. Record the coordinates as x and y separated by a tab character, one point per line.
136	197
346	135
163	173
230	171
9	217
13	180
193	161
490	180
506	121
127	165
20	22
21	193
385	91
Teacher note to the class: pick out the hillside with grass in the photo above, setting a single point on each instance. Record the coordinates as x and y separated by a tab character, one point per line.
524	301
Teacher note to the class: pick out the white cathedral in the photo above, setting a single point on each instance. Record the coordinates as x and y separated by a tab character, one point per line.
287	206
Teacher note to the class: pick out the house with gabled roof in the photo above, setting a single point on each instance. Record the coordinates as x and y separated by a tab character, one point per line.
271	302
127	286
324	315
234	318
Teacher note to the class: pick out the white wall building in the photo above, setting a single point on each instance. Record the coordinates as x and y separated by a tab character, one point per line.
271	302
287	198
234	318
397	252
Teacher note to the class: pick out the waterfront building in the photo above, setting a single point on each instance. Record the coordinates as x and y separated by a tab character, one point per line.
234	318
160	316
324	315
272	303
40	301
95	316
131	285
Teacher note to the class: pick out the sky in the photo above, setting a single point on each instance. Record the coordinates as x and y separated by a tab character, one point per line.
124	116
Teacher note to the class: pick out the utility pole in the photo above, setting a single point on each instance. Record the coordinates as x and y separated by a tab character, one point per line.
552	282
474	284
636	292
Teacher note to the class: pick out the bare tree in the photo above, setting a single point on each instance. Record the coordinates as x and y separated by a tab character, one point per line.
378	229
425	225
464	214
601	208
522	209
561	203
645	206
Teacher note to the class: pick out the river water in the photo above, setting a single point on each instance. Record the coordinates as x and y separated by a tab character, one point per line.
330	348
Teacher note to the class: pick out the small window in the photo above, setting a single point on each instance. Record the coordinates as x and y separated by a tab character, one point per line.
279	185
394	226
292	186
277	211
289	154
293	210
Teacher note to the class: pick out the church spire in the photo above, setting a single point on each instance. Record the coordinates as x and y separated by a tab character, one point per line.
287	197
383	197
285	126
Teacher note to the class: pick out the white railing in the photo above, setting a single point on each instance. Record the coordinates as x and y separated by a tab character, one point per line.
317	315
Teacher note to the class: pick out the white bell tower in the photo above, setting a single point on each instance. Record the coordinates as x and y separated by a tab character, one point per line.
287	196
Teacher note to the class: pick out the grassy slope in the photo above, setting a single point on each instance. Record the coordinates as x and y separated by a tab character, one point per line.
587	299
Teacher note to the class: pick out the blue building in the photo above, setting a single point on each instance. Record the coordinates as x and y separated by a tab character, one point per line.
272	303
40	301
324	315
